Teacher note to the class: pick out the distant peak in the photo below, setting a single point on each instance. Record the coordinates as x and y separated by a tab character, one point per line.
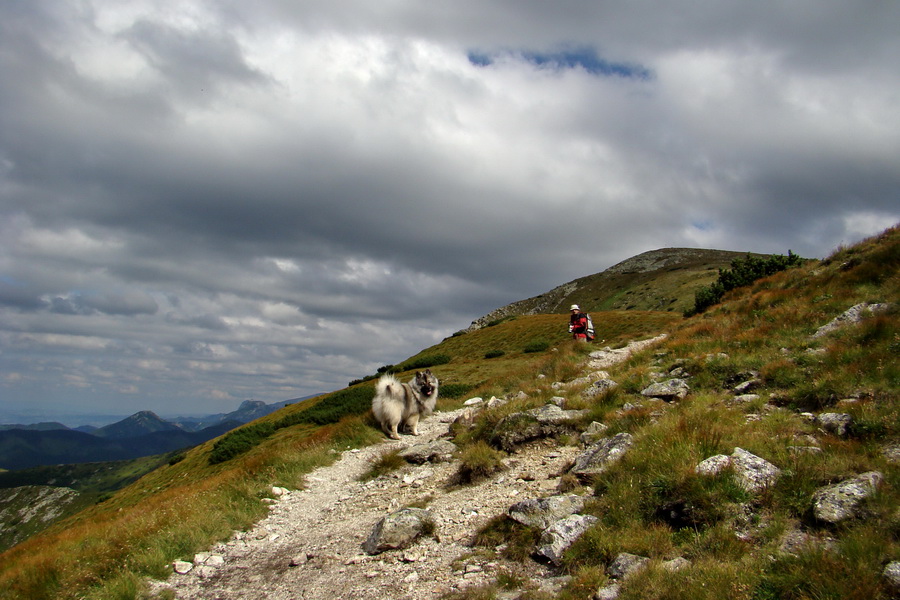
654	260
248	404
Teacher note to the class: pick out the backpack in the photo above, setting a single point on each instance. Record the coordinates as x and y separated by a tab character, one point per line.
589	330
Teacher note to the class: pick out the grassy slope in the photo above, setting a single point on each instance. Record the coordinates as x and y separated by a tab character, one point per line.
660	280
93	482
103	551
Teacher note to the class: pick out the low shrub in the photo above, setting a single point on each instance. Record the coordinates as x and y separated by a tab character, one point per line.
478	461
516	541
422	362
331	409
454	390
239	441
386	462
536	346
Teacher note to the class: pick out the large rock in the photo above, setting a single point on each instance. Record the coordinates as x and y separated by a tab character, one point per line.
594	433
552	414
625	564
541	513
713	465
597	458
891	453
608	592
547	421
754	473
851	316
836	423
599	388
670	390
841	501
436	451
557	538
399	530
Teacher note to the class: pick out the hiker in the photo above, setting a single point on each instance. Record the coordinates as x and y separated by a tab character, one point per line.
580	325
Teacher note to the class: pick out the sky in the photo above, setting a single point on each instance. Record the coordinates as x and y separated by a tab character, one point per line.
203	202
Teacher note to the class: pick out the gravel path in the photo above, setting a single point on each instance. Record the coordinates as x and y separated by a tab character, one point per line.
321	530
310	545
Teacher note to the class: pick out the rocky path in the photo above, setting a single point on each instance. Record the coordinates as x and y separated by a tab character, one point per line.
310	545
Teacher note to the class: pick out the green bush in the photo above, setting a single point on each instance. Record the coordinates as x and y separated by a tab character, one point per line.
349	401
422	362
536	346
454	390
494	354
478	461
239	441
742	272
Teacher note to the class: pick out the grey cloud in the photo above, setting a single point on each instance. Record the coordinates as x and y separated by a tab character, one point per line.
228	200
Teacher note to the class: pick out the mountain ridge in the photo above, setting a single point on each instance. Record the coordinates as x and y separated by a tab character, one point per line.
675	273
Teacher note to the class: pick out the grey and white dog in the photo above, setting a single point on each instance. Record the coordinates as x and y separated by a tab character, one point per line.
397	403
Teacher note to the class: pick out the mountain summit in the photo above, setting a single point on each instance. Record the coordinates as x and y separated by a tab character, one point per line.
140	423
660	280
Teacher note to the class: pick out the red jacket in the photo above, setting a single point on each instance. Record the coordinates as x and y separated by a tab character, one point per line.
578	325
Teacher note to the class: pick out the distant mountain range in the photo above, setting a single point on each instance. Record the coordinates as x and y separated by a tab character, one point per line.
142	434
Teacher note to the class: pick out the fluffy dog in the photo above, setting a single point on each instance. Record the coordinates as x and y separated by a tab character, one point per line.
397	403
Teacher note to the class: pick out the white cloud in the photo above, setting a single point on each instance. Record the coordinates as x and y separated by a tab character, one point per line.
203	202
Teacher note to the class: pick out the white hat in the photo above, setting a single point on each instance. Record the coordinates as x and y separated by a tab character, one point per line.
575	307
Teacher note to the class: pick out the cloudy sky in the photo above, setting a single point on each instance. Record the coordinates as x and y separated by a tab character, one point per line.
203	202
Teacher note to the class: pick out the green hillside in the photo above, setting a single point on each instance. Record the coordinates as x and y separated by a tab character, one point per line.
764	329
658	280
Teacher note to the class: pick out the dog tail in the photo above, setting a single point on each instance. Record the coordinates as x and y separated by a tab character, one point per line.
388	385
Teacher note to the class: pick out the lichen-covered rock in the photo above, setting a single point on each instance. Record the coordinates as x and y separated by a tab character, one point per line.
599	388
836	423
891	453
399	530
552	414
625	564
851	316
713	465
597	458
754	474
594	433
841	501
557	538
676	564
547	421
669	390
608	592
541	513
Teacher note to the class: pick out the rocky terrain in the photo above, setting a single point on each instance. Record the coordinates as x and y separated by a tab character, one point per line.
345	538
311	546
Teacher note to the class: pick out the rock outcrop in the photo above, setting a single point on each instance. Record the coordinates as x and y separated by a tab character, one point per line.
842	501
399	530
